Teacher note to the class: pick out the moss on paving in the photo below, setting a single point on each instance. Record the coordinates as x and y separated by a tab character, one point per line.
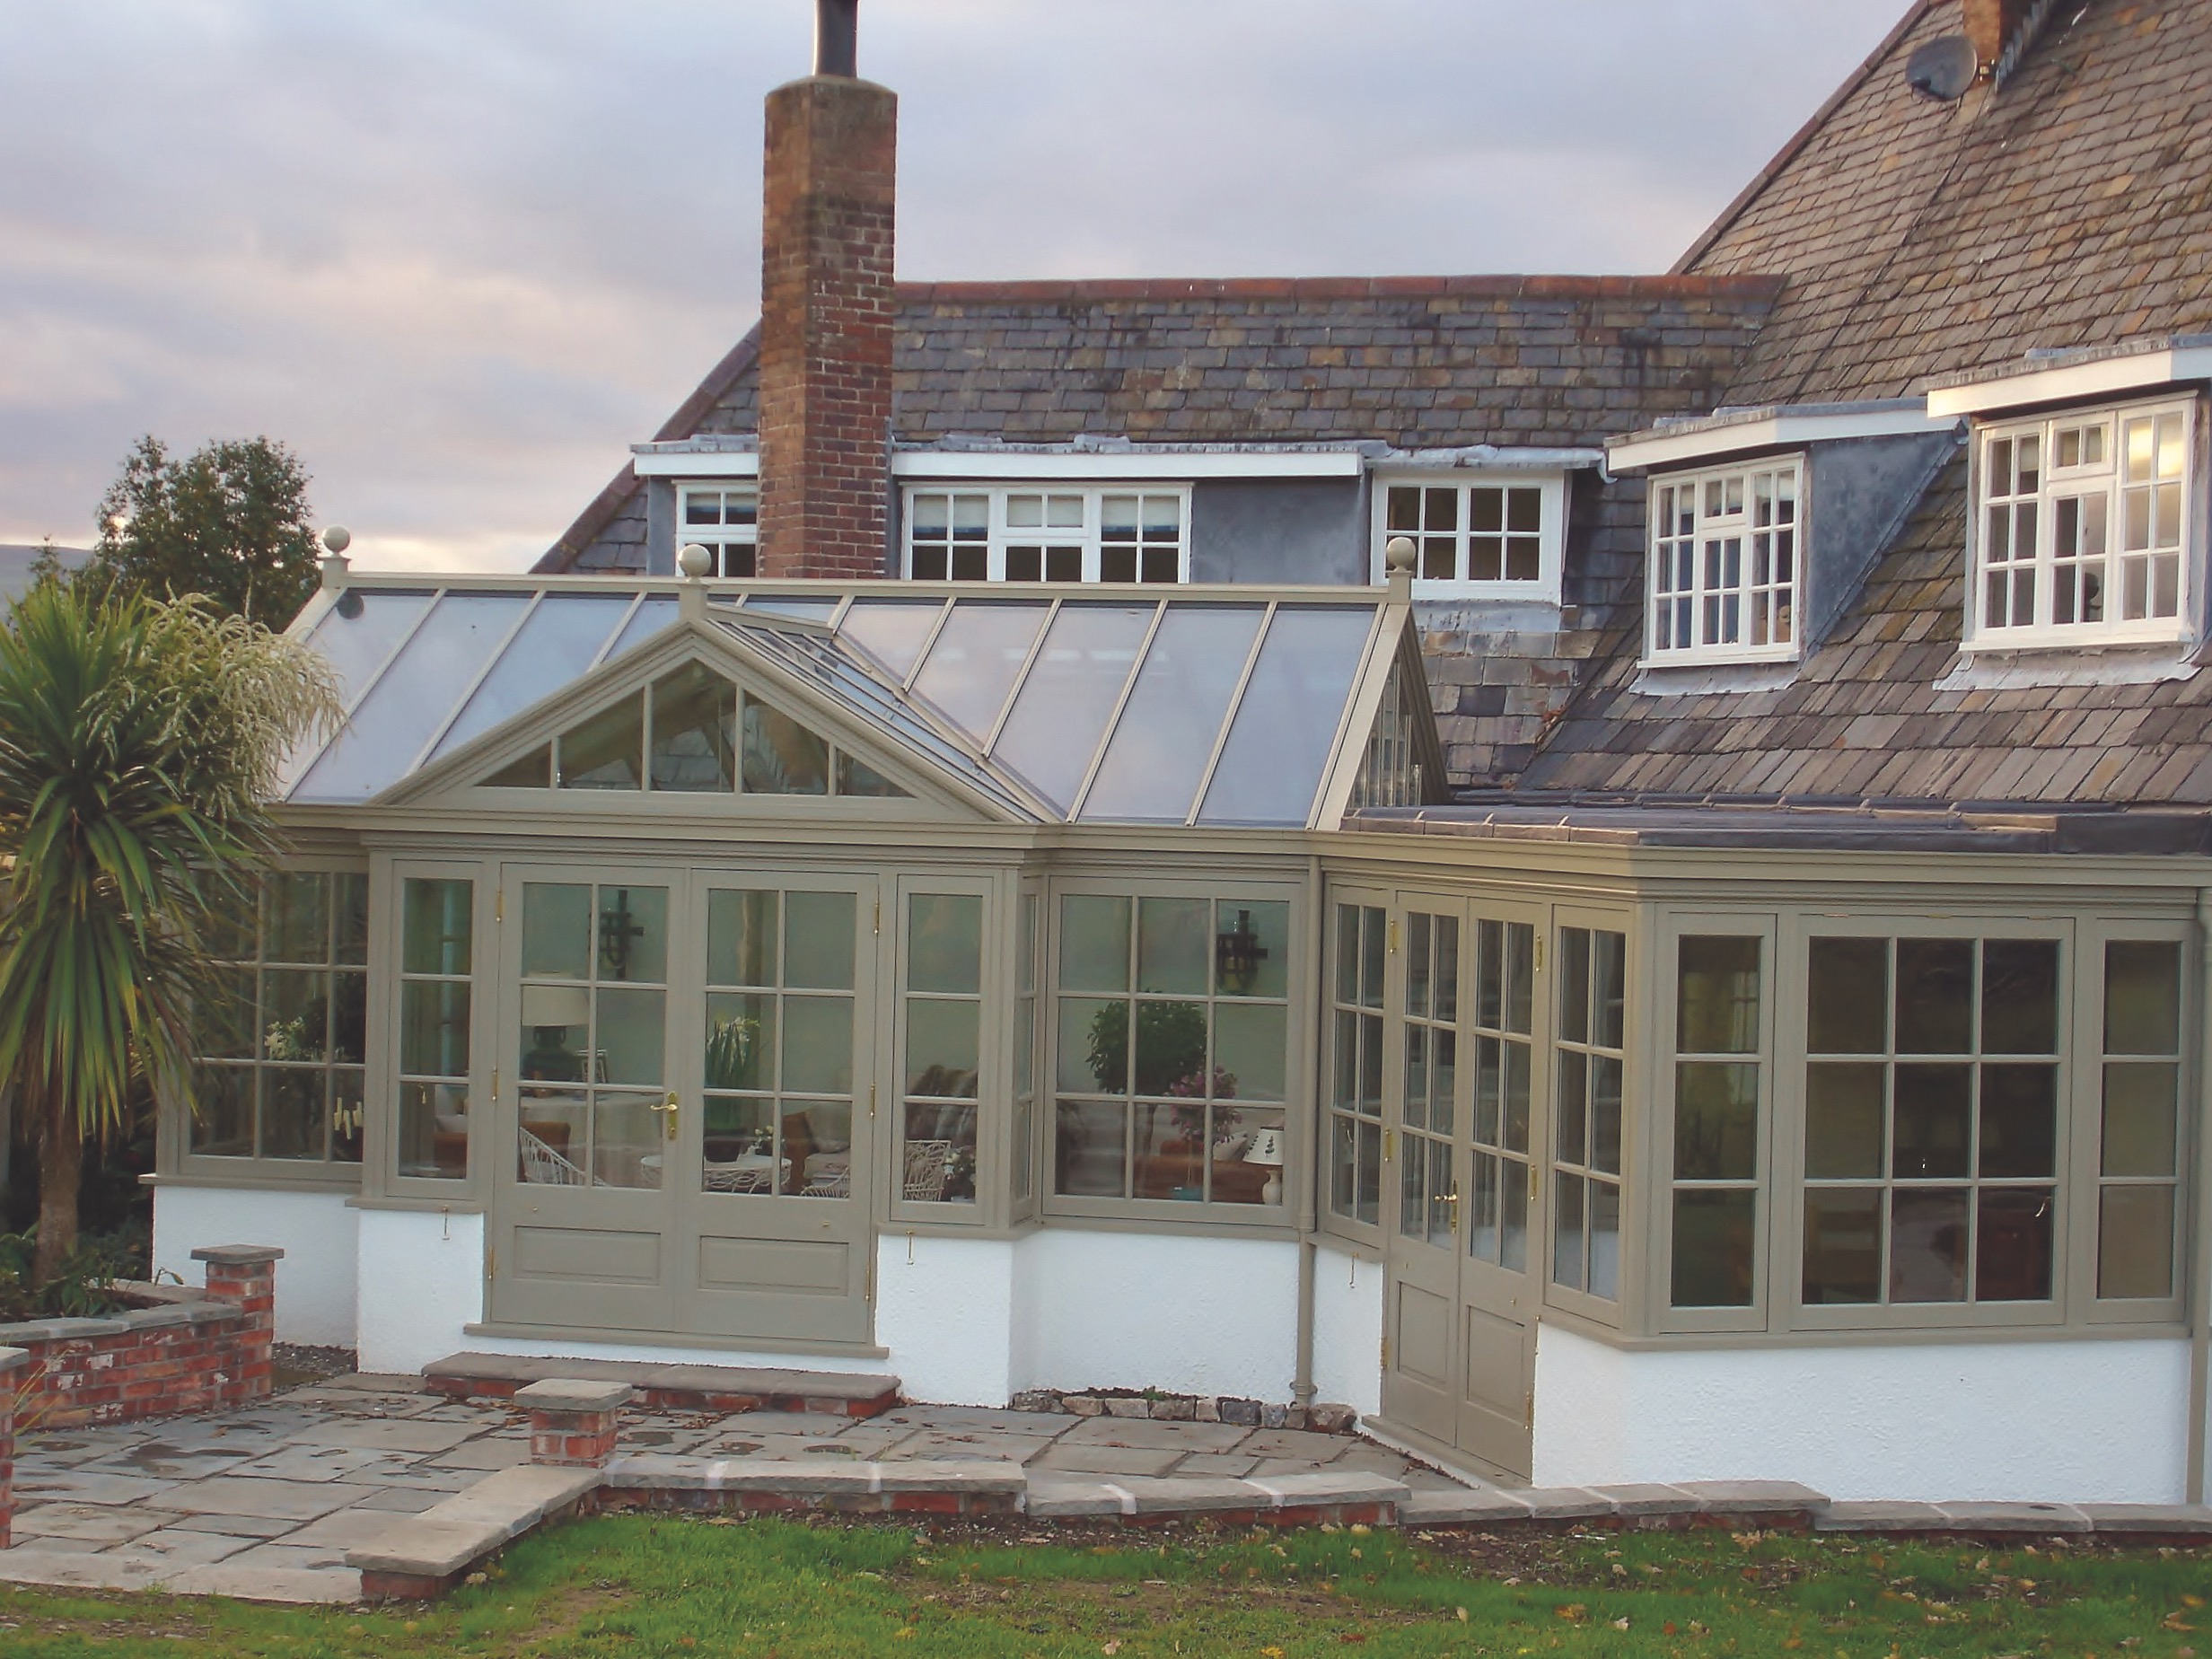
633	1586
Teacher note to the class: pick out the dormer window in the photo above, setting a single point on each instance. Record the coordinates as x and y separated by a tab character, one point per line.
724	520
1494	538
2081	529
1724	563
1073	532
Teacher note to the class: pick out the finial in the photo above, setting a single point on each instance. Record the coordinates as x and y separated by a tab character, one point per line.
695	561
335	539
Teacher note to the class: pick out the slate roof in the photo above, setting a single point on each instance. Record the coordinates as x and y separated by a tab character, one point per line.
1415	363
2070	207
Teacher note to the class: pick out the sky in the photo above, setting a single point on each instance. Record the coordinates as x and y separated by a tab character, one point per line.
459	254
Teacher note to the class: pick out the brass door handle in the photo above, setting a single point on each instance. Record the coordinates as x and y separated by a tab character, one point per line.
1452	1198
668	1110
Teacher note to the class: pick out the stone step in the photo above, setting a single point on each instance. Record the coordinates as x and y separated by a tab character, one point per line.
671	1387
420	1557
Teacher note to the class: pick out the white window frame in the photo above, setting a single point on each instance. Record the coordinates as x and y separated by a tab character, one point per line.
719	539
2031	586
1004	502
1551	534
1722	597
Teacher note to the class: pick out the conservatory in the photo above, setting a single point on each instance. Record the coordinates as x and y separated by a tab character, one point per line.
1062	987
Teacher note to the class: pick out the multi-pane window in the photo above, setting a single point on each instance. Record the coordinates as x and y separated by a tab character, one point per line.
1068	533
2082	526
944	1035
1355	1086
694	733
1497	539
724	520
1173	1050
1724	563
282	1035
437	927
1931	1136
1025	1048
2139	1166
1427	1185
1504	1019
1717	1043
1390	771
1586	1212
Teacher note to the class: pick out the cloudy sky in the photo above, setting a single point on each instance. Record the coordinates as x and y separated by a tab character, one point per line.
459	253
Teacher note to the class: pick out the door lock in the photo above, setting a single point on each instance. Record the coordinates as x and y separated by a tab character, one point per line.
1452	1198
668	1110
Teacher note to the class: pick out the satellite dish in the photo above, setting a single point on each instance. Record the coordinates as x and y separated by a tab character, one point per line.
1944	68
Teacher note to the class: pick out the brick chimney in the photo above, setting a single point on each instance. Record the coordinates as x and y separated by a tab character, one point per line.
827	307
1991	24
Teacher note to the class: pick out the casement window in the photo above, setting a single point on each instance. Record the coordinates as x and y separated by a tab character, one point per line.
2081	528
1048	533
438	965
1495	538
2138	1128
1726	564
1587	1139
1173	1050
943	1024
1719	1074
281	1042
1355	1136
724	519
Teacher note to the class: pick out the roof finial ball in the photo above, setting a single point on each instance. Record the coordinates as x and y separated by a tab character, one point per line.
335	539
695	561
338	539
1398	559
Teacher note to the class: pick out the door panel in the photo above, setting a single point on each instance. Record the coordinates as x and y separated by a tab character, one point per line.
1423	1112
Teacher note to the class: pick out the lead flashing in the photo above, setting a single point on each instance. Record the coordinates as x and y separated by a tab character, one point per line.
2076	376
1696	439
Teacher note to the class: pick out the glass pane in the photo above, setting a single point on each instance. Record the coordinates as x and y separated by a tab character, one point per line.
1447	983
1934	1113
1419	964
299	919
222	1123
557	646
1170	1049
434	1131
740	1042
2019	1121
1843	1246
434	1029
633	934
1716	1009
437	927
2139	1119
737	1144
1605	1114
857	778
693	731
972	664
1094	1046
1251	1052
606	751
942	1048
1716	1121
891	631
295	1014
2135	1243
1061	711
782	757
626	1140
818	931
2012	1254
1573	1106
1927	1245
557	931
357	638
1088	1151
945	943
534	770
1166	734
1847	1000
940	1155
1286	725
818	1148
818	1045
2142	996
225	1024
2020	996
1845	1114
654	613
1604	1240
556	1031
349	1018
1935	995
293	1112
1567	1264
1095	944
1713	1234
1173	944
741	937
1609	988
1251	951
1513	1200
349	919
632	1031
1574	985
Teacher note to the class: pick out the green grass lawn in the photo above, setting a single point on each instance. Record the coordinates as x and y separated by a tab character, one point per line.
635	1586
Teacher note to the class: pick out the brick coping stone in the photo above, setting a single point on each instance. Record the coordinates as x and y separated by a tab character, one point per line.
573	1394
677	1386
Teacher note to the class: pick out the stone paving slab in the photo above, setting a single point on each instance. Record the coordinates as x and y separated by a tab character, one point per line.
99	1523
1161	1436
238	1494
1090	1460
76	1486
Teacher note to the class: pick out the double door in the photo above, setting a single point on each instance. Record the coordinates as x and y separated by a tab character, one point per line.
685	1115
1465	1119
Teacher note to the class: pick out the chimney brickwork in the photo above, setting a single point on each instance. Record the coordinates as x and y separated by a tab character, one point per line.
1991	24
828	306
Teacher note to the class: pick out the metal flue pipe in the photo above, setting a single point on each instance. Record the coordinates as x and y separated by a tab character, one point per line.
837	38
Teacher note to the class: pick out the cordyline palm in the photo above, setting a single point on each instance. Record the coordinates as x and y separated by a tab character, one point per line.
139	748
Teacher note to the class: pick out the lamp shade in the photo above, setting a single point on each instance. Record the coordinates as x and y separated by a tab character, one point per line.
1267	1148
556	1004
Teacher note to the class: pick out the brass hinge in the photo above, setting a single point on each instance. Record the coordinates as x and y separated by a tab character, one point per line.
491	1261
1528	1412
872	1100
1389	1145
1393	935
879	913
1540	953
494	1083
499	904
1531	1183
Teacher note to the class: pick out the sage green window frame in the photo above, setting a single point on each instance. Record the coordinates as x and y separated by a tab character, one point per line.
1615	1311
388	978
1027	1084
1670	1126
175	1157
1297	1079
1356	1042
993	1100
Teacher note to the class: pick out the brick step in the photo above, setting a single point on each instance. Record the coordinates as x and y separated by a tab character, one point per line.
671	1387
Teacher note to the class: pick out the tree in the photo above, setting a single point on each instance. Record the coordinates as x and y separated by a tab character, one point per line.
230	522
140	741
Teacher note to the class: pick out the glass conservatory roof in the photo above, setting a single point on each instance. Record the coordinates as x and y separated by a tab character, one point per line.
1214	706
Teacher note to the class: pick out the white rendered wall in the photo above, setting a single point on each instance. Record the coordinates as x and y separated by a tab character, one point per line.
315	1230
2071	1422
422	1279
1348	1329
1182	1312
944	1308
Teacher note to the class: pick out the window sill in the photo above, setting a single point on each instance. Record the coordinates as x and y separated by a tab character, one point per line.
1788	655
2006	642
2163	1328
1722	679
253	1178
1991	668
